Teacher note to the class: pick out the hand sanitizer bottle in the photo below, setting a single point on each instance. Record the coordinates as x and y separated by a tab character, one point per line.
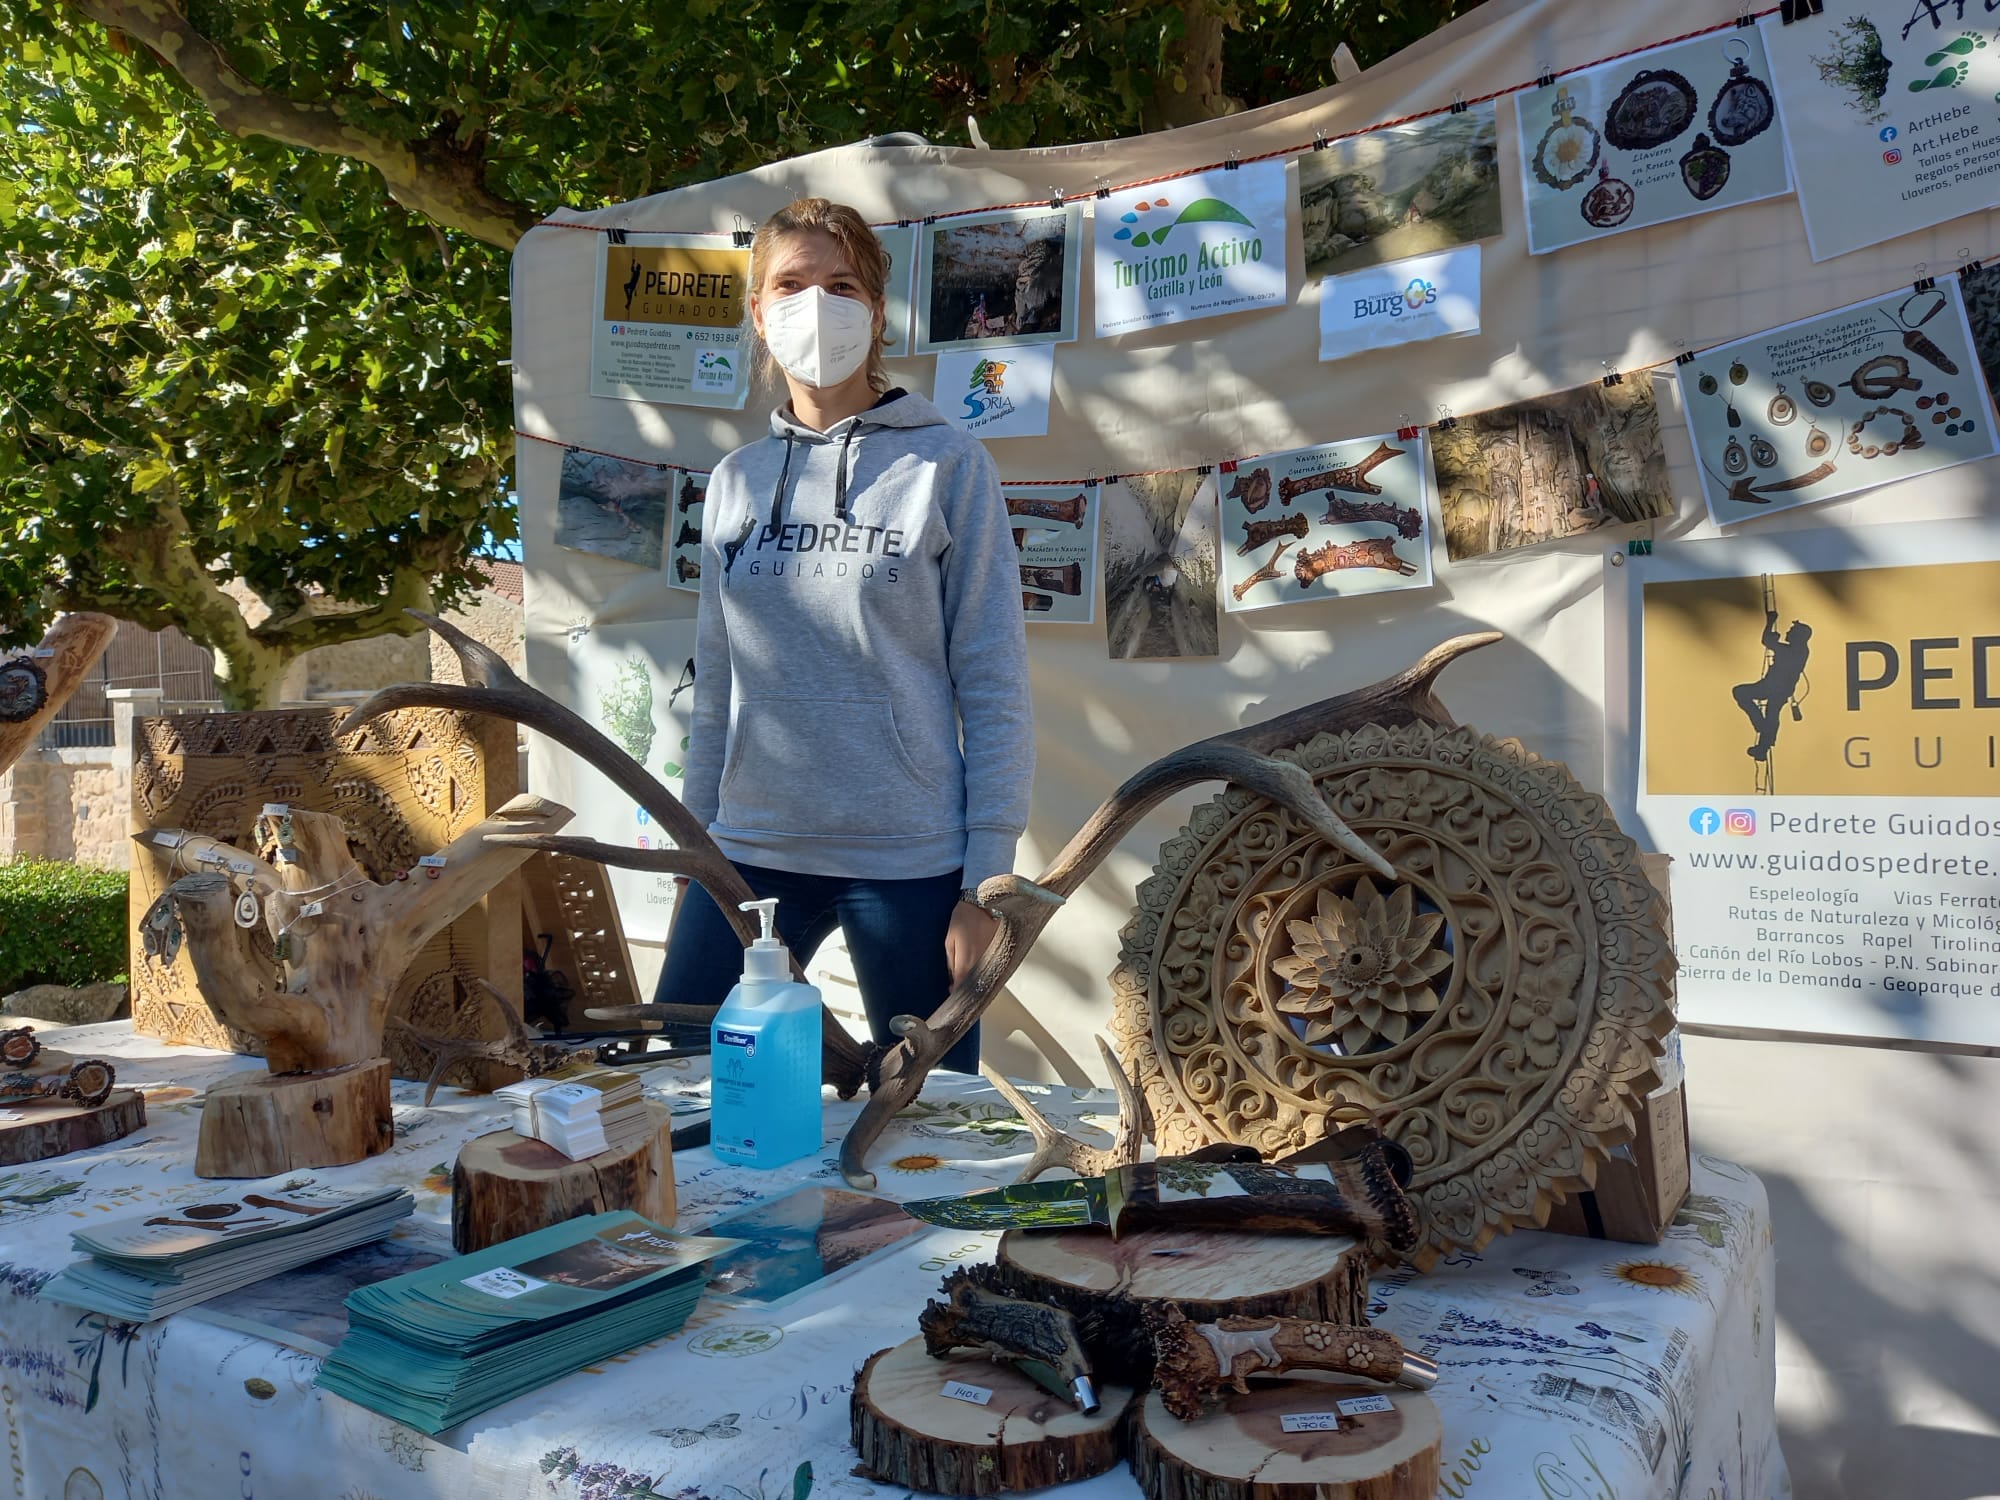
764	1058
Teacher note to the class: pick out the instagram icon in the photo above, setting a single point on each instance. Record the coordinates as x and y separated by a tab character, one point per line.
1740	822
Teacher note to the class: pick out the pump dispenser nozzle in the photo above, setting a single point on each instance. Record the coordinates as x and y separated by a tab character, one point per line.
766	960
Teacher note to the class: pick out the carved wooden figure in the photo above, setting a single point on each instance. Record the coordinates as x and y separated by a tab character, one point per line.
298	946
36	683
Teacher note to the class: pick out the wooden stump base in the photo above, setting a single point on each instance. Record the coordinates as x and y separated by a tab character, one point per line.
1210	1274
261	1124
911	1435
1241	1451
56	1129
505	1184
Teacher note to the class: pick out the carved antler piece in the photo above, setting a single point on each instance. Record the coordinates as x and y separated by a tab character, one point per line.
1253	488
1264	574
1353	477
1341	511
1193	1363
1370	552
1054	1148
519	1048
1257	533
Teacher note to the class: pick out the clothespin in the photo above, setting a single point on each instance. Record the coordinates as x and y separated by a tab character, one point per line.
1446	421
1611	375
1798	10
742	236
1458	101
616	234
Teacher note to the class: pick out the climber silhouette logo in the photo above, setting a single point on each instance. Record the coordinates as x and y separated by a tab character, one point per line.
1765	700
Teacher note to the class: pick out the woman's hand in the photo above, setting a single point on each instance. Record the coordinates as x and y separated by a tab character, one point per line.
971	929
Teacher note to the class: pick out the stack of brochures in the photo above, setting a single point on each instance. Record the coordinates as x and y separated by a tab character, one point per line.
581	1110
151	1265
441	1344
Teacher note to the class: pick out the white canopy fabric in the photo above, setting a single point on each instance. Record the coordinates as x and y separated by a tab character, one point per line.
1210	391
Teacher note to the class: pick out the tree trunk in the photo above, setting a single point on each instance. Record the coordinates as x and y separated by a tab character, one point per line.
1188	86
250	676
1241	1451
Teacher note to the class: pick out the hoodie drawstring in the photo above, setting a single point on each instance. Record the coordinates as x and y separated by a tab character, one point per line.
730	549
840	510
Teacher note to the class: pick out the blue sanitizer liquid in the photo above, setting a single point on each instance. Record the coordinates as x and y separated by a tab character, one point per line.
765	1063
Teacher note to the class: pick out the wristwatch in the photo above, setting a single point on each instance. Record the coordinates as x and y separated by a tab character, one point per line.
970	896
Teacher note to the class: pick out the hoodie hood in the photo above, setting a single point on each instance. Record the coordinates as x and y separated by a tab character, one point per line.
897	408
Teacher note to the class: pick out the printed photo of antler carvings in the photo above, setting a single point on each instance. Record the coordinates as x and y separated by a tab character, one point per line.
1496	1008
1055	531
1325	522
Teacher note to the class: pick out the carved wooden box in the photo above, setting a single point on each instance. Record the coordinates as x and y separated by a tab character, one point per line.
404	786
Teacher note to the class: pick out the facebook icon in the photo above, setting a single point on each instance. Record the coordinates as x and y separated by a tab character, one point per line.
1704	820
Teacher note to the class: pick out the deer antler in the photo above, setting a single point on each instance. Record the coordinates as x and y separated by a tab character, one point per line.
520	1048
492	687
1054	1148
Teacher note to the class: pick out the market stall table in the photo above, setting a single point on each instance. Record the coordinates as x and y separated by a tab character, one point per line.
1570	1367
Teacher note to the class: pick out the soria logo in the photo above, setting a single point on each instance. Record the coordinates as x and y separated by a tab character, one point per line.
984	399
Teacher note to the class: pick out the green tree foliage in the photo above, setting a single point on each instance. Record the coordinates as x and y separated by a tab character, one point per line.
223	360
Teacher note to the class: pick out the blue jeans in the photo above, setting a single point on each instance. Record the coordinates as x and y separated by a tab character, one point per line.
895	935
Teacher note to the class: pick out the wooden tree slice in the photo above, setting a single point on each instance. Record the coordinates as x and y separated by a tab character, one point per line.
1210	1274
506	1184
260	1124
56	1129
1241	1451
908	1432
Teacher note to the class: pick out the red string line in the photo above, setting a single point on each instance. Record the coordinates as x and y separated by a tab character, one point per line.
1281	151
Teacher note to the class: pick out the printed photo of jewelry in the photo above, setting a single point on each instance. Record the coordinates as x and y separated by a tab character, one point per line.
1818	441
1919	343
1951	418
1568	150
1783	410
1910	437
1657	105
1743	107
1704	169
1820	393
1609	203
1762	454
1881	377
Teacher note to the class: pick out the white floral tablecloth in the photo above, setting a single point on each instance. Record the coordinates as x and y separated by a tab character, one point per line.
1572	1369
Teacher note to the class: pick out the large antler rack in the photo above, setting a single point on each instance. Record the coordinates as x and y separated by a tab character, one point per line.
1023	907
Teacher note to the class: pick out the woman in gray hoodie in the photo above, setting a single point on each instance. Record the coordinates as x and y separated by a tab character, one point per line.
862	742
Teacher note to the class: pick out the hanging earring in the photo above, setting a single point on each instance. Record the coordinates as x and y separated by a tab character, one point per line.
247	909
1817	442
1734	461
1762	454
1782	410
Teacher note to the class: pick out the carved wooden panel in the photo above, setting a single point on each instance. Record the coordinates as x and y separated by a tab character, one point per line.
1499	1008
404	786
570	899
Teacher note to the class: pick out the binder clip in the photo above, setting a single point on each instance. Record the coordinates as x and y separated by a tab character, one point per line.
1970	268
930	219
1319	140
1546	79
1685	357
1407	432
1446	421
616	235
742	236
1611	375
1639	546
904	223
1055	197
1798	10
1232	164
1457	102
1204	469
1744	17
1103	189
1924	282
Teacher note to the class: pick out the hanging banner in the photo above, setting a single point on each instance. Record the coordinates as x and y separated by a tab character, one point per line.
670	317
1325	522
1194	247
1404	302
1556	466
1011	276
615	507
684	558
1657	136
899	243
1402	191
1055	531
1818	719
997	392
1829	406
1889	116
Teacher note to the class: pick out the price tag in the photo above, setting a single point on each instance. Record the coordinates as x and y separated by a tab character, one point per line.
312	908
1310	1421
1361	1406
277	809
42	653
958	1390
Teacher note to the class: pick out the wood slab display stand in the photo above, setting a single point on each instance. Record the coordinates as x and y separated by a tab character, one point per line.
1107	1283
261	1124
910	1434
506	1184
35	684
56	1129
297	946
1240	1451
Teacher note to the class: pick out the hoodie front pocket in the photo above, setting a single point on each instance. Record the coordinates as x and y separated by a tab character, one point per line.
827	766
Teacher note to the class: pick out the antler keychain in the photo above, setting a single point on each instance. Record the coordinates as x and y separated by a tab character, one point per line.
1920	343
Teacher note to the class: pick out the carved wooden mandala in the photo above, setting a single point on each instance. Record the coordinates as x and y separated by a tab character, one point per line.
1499	1007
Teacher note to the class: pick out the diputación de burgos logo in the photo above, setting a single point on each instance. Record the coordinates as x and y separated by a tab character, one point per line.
1418	295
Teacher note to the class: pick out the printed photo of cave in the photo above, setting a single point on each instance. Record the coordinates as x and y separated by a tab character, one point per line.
1008	277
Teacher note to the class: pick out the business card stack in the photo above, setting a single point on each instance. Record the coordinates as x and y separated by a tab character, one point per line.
447	1342
581	1110
149	1266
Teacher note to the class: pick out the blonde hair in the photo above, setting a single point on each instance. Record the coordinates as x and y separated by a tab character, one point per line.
850	232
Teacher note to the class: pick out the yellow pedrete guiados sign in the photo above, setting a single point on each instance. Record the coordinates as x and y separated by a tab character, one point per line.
672	284
1869	682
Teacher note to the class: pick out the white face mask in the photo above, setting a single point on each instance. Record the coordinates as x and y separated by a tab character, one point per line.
817	338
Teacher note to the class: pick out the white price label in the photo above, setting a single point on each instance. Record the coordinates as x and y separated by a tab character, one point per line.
958	1390
503	1282
312	908
432	861
277	809
42	653
1361	1406
1309	1421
